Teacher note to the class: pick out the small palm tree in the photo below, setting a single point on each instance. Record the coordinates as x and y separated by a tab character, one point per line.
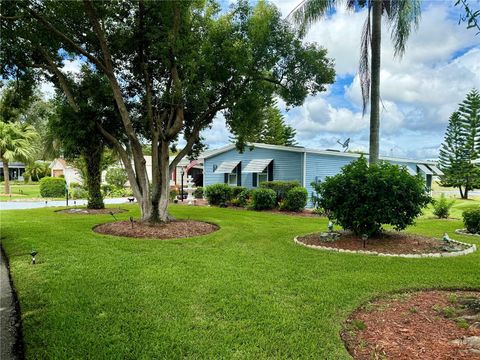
402	15
17	142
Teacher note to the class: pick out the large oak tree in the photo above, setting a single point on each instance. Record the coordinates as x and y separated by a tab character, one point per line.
172	66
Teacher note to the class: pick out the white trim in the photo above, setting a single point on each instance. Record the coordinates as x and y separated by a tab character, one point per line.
304	169
226	167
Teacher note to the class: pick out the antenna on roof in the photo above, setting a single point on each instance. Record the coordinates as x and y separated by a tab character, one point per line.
345	144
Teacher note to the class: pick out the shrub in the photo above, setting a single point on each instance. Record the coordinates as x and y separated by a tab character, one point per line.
198	193
244	197
471	220
173	194
295	199
116	177
218	194
236	190
52	187
264	199
280	187
441	207
78	193
362	198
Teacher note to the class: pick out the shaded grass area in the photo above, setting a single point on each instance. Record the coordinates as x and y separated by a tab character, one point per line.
246	291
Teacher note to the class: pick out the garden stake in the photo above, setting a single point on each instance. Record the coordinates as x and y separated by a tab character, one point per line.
131	221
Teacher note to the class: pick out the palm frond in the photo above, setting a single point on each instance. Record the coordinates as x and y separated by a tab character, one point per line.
307	12
404	15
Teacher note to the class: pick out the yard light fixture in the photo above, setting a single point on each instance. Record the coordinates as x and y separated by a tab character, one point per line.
33	253
111	213
330	226
131	221
364	238
182	172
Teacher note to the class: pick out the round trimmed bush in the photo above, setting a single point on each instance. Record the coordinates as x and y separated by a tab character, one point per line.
442	206
236	190
280	187
52	187
198	192
471	220
364	197
264	199
218	194
296	199
244	197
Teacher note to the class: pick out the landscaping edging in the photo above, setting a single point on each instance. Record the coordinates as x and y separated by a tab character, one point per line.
471	248
465	232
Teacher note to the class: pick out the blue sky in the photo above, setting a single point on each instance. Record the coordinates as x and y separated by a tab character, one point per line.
419	91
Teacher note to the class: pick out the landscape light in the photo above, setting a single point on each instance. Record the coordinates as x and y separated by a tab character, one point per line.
131	221
33	253
111	213
364	238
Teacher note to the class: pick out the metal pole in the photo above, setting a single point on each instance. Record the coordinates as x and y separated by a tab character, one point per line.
182	185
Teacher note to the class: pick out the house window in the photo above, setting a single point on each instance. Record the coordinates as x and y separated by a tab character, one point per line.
258	178
232	177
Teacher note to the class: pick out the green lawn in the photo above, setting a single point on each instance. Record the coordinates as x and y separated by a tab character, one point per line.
459	206
244	292
23	191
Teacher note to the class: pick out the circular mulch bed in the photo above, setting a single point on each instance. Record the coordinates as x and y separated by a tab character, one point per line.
85	211
388	242
437	325
171	230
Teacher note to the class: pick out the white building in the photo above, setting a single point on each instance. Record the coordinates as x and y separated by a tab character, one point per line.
59	167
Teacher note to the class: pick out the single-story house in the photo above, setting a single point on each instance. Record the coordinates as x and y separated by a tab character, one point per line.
15	170
262	162
59	167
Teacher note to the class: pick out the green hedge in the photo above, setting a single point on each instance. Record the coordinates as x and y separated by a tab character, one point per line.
295	199
218	194
52	187
264	199
280	187
471	220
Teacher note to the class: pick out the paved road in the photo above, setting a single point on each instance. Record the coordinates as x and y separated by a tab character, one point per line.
19	205
8	330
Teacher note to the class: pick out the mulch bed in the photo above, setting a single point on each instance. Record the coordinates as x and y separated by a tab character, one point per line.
171	230
388	242
85	211
437	325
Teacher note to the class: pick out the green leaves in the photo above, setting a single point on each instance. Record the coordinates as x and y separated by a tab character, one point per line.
362	198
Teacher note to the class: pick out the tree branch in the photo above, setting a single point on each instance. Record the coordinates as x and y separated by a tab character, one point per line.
65	38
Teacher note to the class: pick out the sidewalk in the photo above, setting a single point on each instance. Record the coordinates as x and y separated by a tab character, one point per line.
8	327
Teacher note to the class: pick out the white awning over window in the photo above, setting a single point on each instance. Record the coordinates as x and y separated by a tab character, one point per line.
257	165
425	169
411	171
435	170
226	167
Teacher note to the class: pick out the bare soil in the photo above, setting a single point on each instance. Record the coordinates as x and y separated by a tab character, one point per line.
388	242
437	325
85	211
170	230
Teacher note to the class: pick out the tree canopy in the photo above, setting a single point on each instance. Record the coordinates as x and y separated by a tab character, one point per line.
172	66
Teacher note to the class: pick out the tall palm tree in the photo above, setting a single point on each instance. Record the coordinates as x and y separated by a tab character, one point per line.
17	142
401	15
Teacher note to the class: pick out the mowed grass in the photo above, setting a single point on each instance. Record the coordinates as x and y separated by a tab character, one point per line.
459	206
23	191
244	292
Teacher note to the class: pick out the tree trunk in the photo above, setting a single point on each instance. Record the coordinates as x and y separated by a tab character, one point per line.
6	176
465	194
375	82
461	191
93	161
161	192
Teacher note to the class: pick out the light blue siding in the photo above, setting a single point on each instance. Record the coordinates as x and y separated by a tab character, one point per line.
287	165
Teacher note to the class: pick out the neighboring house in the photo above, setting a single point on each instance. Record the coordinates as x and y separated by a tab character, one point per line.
59	167
290	163
15	170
